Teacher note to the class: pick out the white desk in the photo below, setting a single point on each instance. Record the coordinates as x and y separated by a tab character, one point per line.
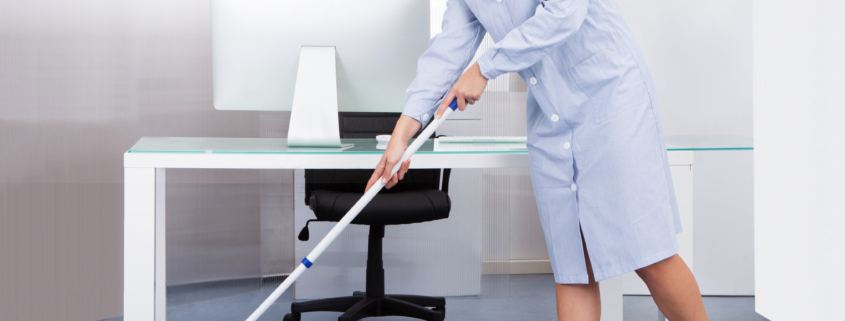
145	164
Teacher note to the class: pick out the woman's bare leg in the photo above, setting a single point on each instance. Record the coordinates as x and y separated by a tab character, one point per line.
579	302
674	289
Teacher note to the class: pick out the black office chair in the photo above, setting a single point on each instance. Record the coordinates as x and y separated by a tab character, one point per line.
415	199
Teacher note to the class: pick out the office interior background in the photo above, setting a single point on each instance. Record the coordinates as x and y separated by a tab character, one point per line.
81	81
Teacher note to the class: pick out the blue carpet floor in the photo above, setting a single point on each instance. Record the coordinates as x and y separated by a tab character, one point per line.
529	297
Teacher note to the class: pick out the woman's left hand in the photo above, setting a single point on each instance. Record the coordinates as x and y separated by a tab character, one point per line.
467	90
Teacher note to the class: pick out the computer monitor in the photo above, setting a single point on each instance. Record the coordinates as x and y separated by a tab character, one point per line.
274	55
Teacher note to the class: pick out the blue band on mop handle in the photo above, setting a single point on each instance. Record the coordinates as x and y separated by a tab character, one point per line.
307	263
454	105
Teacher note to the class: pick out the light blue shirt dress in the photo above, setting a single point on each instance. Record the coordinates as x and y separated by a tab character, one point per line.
598	159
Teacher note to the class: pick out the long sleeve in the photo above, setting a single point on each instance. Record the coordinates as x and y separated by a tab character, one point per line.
441	65
552	24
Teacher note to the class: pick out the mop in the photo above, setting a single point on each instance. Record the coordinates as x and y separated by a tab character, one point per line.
353	212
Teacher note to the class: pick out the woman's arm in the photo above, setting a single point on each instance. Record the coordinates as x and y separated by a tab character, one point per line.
440	66
437	69
551	25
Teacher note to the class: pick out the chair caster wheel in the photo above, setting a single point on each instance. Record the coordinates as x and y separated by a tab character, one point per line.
442	311
293	317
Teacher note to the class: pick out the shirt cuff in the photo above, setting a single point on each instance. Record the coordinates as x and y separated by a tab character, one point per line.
485	64
421	111
422	118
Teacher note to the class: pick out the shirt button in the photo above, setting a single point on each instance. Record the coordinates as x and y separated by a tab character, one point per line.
573	187
555	118
532	80
498	0
566	145
425	117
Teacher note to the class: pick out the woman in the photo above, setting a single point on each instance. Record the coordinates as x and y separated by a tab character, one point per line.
598	161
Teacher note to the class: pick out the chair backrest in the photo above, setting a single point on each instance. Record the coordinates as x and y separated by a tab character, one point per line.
366	125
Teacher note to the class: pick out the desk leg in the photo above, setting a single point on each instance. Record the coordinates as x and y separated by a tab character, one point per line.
142	286
160	248
611	299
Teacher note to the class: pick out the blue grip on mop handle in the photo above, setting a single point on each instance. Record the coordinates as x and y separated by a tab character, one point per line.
454	105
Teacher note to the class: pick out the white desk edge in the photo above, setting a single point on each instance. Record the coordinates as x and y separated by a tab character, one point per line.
339	160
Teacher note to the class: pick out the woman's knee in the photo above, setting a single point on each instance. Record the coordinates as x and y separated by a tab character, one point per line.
647	273
585	291
652	271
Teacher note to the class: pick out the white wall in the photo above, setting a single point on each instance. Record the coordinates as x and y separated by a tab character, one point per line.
700	56
799	111
80	82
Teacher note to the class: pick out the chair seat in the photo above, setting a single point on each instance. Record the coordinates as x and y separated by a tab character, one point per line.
406	207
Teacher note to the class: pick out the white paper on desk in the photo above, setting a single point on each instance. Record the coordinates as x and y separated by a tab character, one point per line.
342	147
478	147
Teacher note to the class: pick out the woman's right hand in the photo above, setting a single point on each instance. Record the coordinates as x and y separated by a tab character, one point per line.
405	129
391	156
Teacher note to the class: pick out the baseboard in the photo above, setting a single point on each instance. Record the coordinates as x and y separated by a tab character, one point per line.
517	267
273	279
487	267
267	279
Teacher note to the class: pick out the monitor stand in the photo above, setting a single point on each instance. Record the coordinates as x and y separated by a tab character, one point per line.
313	117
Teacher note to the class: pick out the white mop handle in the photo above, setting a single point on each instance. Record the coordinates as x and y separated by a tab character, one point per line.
344	222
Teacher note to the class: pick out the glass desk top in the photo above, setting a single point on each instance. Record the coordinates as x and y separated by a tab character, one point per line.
215	145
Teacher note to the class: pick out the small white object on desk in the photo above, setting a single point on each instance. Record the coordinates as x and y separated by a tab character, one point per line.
382	141
483	139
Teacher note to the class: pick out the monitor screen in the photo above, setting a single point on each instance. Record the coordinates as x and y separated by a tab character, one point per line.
256	46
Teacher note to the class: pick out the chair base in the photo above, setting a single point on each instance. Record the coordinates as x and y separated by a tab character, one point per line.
360	305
